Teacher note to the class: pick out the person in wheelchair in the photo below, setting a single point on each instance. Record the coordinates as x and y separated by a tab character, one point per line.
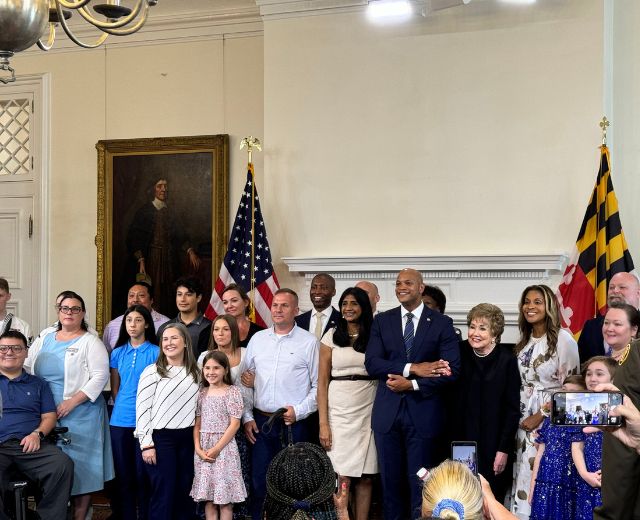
27	415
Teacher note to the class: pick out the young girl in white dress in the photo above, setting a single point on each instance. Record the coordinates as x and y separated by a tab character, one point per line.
218	475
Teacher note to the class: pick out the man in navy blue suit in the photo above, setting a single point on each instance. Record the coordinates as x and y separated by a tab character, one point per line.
414	352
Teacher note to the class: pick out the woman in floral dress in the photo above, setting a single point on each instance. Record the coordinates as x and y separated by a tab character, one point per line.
546	355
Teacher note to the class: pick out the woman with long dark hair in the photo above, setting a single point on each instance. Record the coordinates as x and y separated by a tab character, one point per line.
135	350
345	397
546	354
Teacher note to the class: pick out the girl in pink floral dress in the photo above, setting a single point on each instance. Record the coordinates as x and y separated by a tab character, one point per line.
218	475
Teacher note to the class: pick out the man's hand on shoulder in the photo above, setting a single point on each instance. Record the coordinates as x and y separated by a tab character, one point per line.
397	383
30	443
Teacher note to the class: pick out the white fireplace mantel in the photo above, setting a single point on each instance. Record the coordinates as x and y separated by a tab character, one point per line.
465	280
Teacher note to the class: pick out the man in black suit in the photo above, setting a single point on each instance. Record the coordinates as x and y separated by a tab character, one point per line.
323	316
414	352
624	288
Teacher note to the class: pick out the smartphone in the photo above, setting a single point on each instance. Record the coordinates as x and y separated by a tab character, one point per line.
467	453
585	408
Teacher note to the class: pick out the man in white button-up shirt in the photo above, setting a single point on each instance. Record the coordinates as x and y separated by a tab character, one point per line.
284	359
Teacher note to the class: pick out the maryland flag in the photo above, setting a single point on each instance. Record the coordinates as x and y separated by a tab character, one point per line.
601	251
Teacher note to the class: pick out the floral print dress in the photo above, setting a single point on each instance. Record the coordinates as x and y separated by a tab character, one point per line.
541	374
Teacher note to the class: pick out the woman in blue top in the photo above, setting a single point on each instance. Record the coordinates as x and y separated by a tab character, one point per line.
135	350
75	363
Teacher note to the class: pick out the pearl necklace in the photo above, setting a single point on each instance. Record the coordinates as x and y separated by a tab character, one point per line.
481	355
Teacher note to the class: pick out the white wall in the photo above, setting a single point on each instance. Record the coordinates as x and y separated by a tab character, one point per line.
625	119
469	132
170	89
466	133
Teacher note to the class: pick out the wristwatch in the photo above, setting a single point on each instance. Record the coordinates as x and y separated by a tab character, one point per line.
40	434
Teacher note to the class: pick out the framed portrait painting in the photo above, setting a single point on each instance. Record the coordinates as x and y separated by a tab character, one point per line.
162	214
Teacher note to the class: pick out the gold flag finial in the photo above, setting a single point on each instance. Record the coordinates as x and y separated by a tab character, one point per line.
251	142
604	124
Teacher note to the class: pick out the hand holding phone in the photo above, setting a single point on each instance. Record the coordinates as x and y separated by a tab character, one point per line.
585	409
467	453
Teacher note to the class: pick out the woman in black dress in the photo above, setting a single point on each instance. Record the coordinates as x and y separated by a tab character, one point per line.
487	406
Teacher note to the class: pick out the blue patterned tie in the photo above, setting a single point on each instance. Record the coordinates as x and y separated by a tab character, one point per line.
408	335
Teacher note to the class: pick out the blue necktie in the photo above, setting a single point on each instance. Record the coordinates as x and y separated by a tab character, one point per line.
408	334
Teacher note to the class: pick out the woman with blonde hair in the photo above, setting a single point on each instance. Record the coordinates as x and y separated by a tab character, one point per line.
488	391
451	491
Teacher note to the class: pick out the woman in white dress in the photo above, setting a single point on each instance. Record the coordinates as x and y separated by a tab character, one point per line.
345	398
546	354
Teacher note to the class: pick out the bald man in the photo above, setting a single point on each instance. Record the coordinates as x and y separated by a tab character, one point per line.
372	291
624	288
413	352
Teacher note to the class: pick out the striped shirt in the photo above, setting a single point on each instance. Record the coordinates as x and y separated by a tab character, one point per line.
164	402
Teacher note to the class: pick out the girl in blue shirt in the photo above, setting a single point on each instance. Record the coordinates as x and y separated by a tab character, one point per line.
135	349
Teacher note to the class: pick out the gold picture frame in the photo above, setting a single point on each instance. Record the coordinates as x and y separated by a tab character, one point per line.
196	170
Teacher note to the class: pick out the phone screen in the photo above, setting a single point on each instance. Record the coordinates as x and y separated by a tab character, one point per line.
467	453
585	408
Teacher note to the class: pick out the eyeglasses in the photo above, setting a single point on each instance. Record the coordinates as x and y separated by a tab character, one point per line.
70	310
16	349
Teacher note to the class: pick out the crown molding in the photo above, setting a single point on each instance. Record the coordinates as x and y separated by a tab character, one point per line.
293	8
454	266
215	24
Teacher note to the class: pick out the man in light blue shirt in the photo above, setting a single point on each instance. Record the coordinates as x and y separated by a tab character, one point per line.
284	359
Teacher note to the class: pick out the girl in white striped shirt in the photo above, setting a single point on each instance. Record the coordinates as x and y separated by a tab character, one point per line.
165	415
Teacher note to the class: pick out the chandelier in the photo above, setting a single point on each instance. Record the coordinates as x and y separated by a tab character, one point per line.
24	22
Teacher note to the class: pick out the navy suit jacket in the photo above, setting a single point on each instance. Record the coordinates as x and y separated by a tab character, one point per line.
303	320
434	339
591	341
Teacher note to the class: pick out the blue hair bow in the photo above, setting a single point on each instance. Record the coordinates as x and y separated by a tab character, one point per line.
302	504
447	503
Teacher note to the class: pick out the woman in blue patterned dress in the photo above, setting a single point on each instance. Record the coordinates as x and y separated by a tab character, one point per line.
75	363
552	488
586	448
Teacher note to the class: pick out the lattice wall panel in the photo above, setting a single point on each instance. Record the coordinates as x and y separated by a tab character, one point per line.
15	128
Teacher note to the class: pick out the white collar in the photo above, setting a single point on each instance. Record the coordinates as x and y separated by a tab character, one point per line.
158	204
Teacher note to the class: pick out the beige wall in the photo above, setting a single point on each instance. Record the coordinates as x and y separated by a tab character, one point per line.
625	118
457	134
464	133
169	89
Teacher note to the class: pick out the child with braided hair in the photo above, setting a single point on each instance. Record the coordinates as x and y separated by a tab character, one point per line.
301	484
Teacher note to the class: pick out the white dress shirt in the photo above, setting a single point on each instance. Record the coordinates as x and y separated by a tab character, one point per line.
417	312
286	372
326	316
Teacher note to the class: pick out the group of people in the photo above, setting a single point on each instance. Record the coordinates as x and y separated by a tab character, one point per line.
200	409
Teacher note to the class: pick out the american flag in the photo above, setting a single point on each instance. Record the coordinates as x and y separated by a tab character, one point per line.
248	259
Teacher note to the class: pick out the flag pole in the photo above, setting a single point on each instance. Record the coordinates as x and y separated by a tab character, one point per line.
603	125
250	143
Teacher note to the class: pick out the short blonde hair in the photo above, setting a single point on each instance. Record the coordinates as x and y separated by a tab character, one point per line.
452	492
494	316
